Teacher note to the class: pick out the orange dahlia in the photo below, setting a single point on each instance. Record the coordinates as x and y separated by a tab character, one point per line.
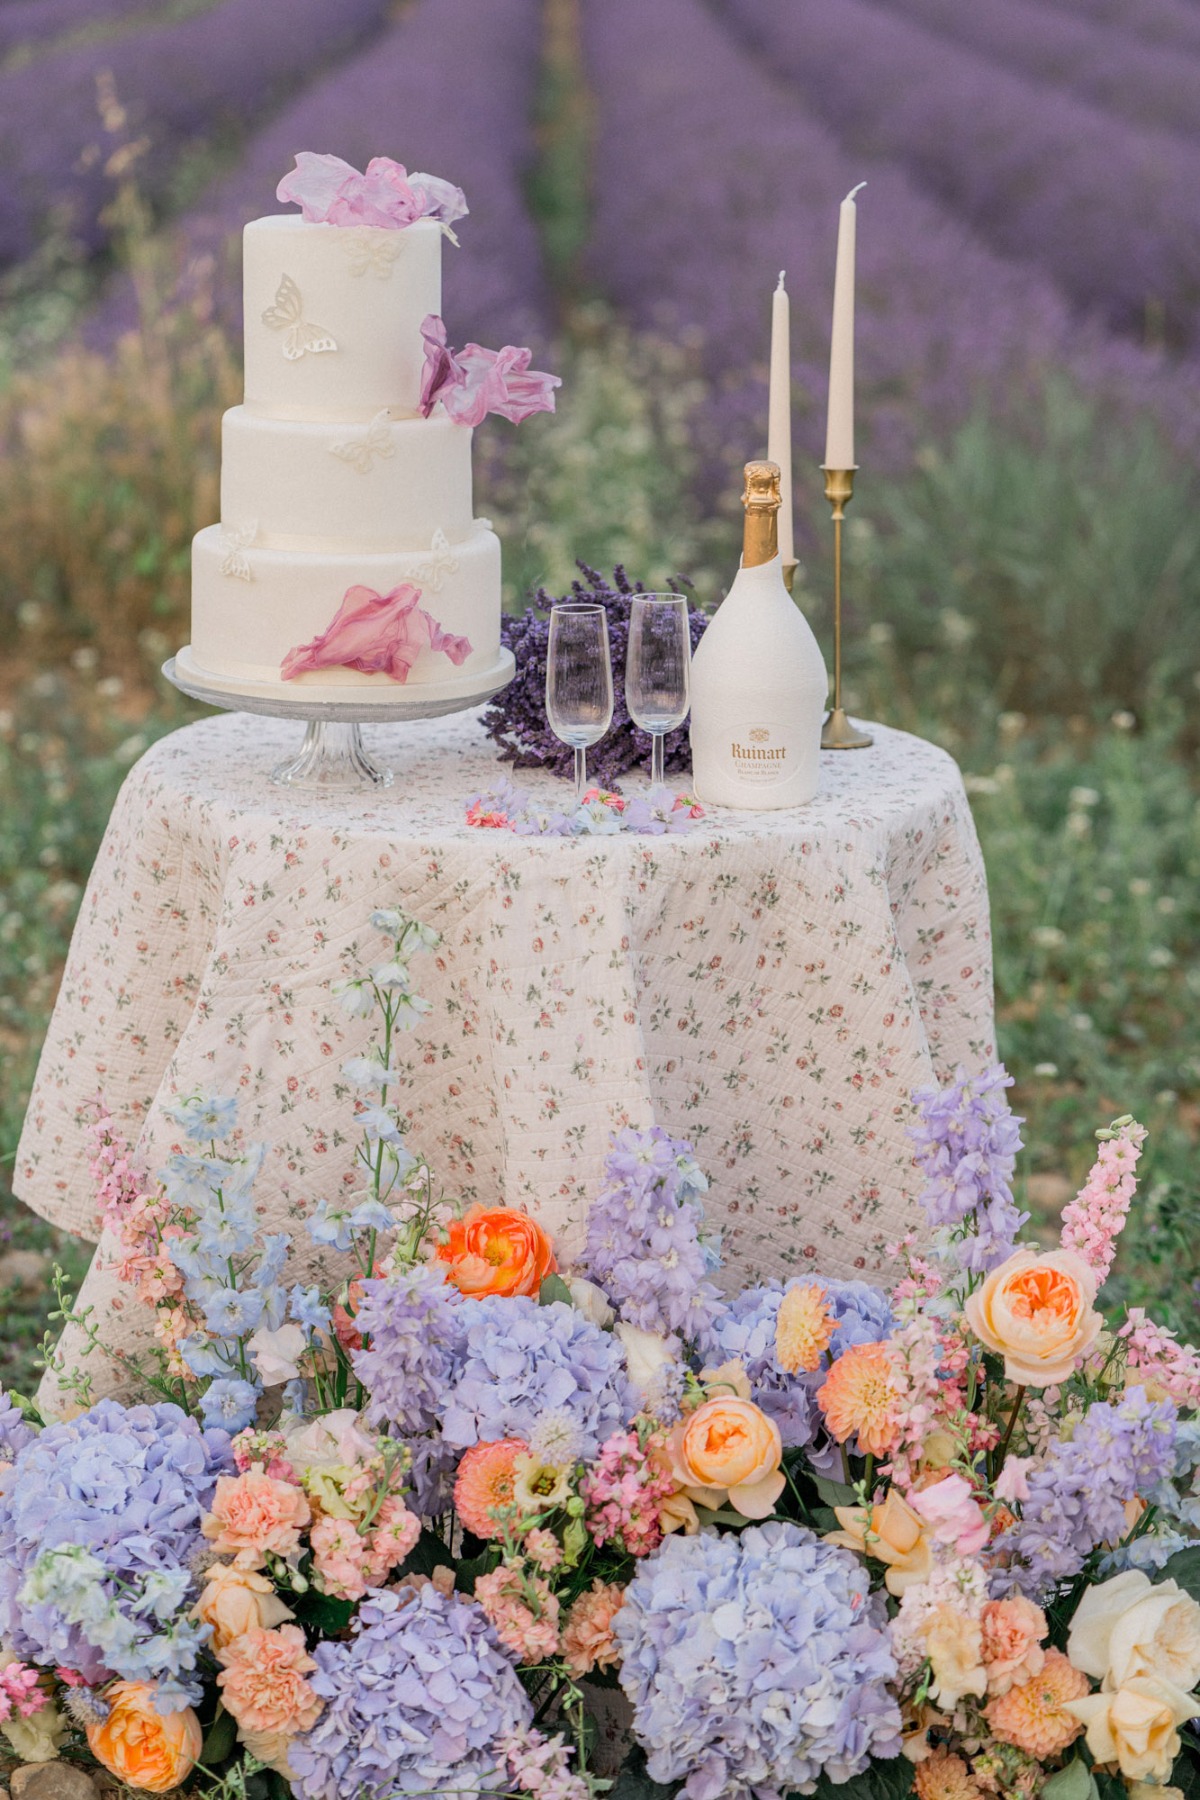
1033	1717
860	1394
803	1328
943	1776
485	1480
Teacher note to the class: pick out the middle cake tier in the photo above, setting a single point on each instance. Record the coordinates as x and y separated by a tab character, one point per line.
312	485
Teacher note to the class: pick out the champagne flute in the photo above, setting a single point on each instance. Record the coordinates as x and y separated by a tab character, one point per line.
657	670
579	686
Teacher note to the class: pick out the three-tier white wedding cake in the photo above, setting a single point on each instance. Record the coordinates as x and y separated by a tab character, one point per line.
348	562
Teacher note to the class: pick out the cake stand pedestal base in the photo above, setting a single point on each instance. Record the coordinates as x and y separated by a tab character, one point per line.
332	755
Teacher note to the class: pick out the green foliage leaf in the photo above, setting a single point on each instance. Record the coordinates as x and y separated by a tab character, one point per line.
1186	1773
633	1783
219	1739
891	1780
1184	1567
321	1613
834	1493
426	1555
1075	1782
554	1288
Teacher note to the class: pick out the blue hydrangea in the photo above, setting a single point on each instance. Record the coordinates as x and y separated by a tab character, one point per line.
414	1703
15	1433
756	1663
644	1237
1077	1494
99	1521
519	1360
744	1330
967	1139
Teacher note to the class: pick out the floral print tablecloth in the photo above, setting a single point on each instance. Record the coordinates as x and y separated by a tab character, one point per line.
770	985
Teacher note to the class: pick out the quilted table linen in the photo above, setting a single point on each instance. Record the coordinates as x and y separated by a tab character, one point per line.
771	986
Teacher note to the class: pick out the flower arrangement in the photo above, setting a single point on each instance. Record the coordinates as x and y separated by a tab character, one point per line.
601	813
392	1535
516	718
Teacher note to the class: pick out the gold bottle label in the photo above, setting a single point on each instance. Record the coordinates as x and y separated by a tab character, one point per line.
759	754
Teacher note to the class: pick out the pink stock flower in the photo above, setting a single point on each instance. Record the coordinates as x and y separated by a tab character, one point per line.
625	1491
953	1514
19	1692
477	814
1012	1483
472	382
378	634
332	192
1094	1220
523	1611
1154	1355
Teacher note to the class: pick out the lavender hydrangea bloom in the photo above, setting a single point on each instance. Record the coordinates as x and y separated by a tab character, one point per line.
643	1236
15	1433
520	1360
98	1521
414	1703
967	1143
413	1325
744	1330
1077	1495
756	1663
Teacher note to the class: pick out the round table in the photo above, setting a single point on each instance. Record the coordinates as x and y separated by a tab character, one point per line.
771	986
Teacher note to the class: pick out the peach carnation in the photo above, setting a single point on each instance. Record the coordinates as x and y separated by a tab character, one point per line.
803	1328
253	1514
860	1395
944	1776
1013	1630
486	1478
497	1250
587	1640
1033	1717
263	1681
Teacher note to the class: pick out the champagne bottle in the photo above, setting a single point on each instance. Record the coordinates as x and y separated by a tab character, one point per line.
758	678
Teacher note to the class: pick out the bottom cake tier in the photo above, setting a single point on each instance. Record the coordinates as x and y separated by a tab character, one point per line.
256	612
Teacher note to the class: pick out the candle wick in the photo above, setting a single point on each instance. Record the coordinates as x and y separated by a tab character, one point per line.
782	273
855	190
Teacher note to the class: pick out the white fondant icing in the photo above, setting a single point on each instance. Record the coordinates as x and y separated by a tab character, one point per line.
376	325
297	593
292	476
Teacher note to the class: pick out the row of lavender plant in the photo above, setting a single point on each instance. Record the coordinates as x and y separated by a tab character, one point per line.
172	83
29	27
1100	60
709	175
1172	23
449	88
1110	211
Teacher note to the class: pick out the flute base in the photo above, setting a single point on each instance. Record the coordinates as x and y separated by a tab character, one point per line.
839	732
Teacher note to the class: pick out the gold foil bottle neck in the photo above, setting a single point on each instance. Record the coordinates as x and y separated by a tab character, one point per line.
760	497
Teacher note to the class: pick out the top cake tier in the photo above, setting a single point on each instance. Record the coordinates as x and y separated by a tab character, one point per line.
333	316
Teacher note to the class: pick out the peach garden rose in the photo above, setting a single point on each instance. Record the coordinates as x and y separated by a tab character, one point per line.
728	1450
142	1747
893	1534
236	1600
1036	1311
497	1250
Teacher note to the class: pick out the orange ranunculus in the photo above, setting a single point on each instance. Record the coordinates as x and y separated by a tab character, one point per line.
496	1250
1036	1311
139	1745
729	1448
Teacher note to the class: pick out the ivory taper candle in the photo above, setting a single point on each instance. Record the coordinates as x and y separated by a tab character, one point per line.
779	412
839	436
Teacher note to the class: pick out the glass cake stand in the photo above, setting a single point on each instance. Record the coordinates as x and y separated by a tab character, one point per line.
333	755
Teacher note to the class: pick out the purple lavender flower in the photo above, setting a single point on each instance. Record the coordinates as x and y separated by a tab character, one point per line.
516	718
744	1330
643	1236
520	1360
756	1663
967	1143
1077	1494
414	1703
413	1327
98	1521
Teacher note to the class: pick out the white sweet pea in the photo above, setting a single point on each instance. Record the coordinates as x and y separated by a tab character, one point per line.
276	1354
588	1299
1130	1627
647	1359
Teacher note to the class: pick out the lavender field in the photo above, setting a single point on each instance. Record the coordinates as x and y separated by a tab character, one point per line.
1024	544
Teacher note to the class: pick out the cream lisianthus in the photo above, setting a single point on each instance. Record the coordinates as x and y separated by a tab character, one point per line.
1130	1627
539	1486
954	1642
1136	1727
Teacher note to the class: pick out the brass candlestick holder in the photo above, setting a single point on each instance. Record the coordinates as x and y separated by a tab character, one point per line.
839	732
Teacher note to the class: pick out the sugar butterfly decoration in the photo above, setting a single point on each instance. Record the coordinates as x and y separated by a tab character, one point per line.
360	452
300	336
234	541
371	252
